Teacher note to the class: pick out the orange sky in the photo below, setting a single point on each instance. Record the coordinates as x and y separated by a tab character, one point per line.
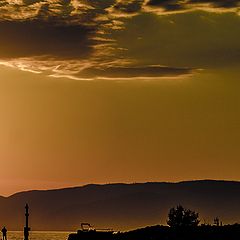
118	91
58	133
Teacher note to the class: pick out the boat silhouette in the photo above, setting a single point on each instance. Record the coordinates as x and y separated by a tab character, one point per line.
88	232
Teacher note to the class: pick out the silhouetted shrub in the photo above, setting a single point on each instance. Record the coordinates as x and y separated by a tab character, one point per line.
181	217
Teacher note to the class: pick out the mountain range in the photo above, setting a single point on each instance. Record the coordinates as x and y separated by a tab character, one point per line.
121	206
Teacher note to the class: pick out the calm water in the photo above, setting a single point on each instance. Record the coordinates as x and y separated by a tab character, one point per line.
38	235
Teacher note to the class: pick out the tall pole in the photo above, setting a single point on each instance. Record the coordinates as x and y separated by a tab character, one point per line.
26	228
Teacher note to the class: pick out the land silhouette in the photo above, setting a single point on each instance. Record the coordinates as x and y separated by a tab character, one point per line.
122	206
203	232
183	224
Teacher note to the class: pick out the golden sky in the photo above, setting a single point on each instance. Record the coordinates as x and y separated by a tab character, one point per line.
118	91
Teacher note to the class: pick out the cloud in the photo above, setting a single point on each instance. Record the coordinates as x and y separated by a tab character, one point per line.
167	5
126	8
177	6
217	3
93	70
132	72
75	37
90	12
38	34
58	28
39	38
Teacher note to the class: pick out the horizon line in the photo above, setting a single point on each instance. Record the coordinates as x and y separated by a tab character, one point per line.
116	183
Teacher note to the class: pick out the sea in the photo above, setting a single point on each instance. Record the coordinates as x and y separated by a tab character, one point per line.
38	235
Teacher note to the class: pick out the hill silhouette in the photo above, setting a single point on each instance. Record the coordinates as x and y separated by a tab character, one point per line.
121	206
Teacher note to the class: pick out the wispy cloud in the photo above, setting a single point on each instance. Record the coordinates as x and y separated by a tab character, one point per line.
73	37
88	9
91	69
179	6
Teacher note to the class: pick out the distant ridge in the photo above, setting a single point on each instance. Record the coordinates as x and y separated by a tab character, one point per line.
121	184
121	206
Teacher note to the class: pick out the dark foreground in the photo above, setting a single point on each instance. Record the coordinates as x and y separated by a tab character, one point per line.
193	233
227	232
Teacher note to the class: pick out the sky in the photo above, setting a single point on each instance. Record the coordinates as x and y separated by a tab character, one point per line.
118	91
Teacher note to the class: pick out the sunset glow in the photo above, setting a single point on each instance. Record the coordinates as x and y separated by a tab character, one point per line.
118	91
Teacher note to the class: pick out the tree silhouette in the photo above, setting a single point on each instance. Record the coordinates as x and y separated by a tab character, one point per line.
181	217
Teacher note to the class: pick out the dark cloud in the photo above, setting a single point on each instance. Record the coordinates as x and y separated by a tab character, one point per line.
29	2
219	3
80	35
168	5
89	10
3	3
174	6
58	29
131	72
63	10
36	38
129	6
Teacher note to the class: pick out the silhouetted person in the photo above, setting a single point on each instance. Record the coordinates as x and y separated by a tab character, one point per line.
4	233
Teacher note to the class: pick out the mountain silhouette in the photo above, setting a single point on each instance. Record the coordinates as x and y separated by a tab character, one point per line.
121	206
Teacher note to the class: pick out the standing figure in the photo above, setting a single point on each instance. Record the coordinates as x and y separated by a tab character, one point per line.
4	233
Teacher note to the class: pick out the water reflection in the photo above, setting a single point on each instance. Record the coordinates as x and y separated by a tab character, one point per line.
38	235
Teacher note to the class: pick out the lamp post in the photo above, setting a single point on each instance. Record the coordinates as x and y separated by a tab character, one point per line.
26	228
